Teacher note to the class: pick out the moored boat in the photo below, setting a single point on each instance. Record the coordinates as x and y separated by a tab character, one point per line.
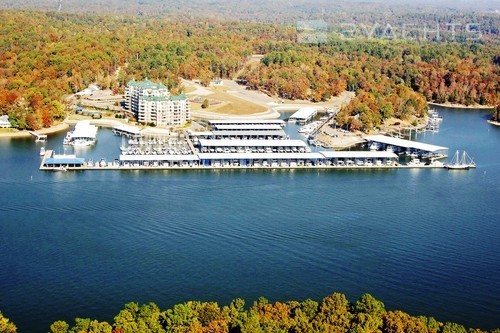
460	162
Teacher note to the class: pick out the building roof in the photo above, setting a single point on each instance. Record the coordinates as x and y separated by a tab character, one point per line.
279	133
250	127
404	143
304	113
259	156
358	154
146	84
246	121
180	97
69	159
252	143
83	129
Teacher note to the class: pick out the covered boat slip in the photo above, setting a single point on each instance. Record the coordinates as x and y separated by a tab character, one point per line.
407	145
254	146
303	115
260	159
158	160
250	135
360	158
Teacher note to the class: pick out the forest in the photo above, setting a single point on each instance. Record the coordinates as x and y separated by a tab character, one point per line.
47	55
335	313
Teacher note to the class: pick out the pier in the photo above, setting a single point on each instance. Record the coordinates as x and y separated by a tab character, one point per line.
240	145
38	137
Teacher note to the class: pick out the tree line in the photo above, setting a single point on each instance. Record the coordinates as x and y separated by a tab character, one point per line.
335	313
46	56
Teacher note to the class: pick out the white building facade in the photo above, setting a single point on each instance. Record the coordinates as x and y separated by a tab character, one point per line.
4	122
151	103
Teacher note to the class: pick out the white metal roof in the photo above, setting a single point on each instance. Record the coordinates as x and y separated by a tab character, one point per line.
83	129
358	154
246	121
250	127
251	143
304	113
250	133
128	129
131	158
404	143
259	156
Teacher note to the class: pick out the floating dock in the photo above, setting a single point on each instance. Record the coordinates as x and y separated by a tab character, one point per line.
213	161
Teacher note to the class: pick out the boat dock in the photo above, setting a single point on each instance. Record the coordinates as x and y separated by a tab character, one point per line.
38	137
303	115
412	148
244	149
238	160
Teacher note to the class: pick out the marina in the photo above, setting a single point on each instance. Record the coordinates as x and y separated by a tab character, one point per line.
238	144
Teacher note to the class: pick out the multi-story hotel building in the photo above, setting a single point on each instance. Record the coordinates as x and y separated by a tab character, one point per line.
151	103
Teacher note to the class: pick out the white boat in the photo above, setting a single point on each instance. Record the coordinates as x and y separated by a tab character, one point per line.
42	151
59	168
460	162
415	162
435	163
374	146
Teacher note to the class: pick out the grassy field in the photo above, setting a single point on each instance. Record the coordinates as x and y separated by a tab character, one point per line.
230	104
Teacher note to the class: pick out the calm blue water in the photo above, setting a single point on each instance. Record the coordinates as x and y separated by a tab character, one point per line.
82	244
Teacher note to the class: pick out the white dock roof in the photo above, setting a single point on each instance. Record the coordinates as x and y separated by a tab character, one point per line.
304	113
260	156
246	121
251	143
358	154
404	143
248	127
250	133
83	129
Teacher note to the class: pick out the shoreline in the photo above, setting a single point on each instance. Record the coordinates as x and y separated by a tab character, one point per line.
26	134
461	106
494	122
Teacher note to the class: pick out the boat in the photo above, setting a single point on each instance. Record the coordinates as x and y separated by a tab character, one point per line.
42	151
460	162
59	168
435	163
415	162
374	146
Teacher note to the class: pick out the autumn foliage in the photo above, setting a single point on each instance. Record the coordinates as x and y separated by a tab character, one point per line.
46	56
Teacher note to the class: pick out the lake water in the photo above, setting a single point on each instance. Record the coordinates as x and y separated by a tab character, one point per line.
82	244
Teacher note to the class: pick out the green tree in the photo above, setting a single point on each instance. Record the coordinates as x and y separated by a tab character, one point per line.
6	326
59	327
205	104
